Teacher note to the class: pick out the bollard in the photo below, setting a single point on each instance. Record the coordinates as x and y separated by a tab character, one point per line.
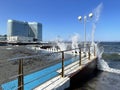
80	57
62	63
20	77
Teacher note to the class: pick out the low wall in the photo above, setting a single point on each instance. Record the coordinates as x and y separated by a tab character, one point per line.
77	78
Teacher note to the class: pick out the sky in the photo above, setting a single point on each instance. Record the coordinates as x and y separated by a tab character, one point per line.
59	18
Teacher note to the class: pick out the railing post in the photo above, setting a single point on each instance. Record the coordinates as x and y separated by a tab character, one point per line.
80	57
20	77
94	50
62	63
89	53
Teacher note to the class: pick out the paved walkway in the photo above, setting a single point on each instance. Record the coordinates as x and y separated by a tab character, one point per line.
33	80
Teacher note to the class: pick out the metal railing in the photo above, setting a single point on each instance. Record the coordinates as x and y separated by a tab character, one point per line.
21	74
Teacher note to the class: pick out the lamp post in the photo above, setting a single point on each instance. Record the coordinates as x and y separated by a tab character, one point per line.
85	20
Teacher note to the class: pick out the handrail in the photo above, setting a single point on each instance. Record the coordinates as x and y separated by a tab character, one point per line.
27	57
20	74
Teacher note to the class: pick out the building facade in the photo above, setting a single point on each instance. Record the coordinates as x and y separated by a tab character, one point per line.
19	39
3	37
24	29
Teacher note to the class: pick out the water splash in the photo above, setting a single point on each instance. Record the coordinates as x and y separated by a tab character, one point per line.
61	44
93	32
102	64
75	39
96	12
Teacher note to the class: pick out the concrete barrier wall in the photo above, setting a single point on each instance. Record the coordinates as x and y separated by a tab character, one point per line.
83	75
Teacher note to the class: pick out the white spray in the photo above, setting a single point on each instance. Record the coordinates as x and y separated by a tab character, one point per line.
102	65
61	44
96	13
75	39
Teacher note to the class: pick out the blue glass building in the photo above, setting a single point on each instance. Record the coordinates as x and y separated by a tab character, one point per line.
25	29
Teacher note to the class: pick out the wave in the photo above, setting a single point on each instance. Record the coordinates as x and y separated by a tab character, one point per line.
102	56
102	65
118	53
111	56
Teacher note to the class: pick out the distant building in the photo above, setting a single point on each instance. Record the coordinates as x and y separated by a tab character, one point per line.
23	31
20	39
3	37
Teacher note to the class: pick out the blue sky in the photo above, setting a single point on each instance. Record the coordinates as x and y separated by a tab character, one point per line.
59	17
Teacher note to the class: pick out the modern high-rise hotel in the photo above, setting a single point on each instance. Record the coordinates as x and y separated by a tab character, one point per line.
22	31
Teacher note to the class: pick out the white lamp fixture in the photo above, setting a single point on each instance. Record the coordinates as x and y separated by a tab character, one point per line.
79	17
91	15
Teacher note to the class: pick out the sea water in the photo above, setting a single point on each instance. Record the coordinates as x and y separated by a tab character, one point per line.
108	78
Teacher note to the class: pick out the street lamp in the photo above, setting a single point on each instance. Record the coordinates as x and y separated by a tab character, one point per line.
85	19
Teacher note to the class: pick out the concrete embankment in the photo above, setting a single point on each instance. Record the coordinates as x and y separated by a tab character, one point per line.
80	77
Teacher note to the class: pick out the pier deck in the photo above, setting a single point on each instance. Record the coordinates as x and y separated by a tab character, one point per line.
60	83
